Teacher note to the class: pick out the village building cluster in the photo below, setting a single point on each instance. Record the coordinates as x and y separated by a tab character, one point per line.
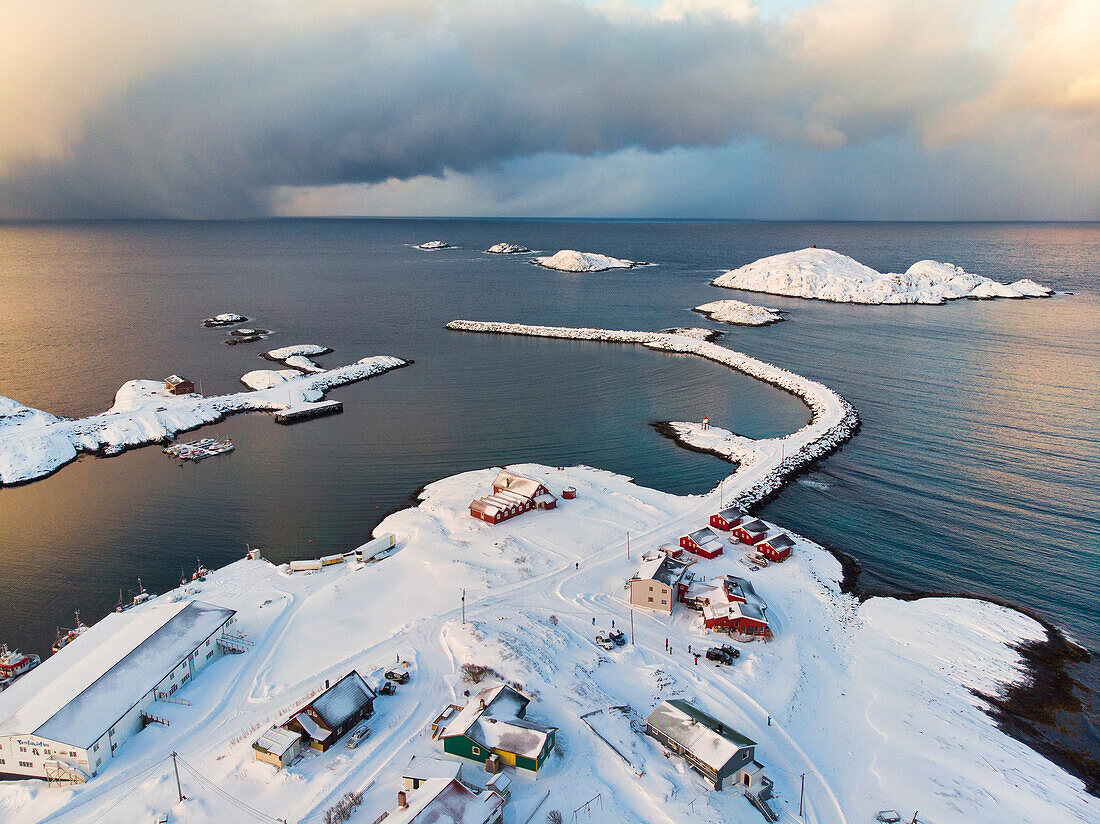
513	495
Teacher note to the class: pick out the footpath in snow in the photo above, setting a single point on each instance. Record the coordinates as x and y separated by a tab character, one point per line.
823	274
34	443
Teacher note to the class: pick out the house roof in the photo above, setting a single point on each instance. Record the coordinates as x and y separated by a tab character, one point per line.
447	801
342	700
734	610
739	586
707	537
662	568
778	539
704	736
175	379
755	526
424	768
77	695
527	487
731	513
312	728
498	725
277	741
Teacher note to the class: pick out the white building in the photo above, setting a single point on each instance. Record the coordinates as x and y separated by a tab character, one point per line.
79	706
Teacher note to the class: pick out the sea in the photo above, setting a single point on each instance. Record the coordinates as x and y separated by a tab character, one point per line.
976	471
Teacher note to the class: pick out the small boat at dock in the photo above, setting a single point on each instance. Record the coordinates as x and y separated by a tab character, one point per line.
14	663
198	450
65	637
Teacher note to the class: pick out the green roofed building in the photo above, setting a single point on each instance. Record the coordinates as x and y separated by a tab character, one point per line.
493	723
719	753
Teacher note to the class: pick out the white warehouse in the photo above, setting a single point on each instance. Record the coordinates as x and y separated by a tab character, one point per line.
69	715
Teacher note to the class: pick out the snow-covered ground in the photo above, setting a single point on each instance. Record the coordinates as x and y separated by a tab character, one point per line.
823	274
507	249
431	245
739	313
568	260
224	319
871	701
34	443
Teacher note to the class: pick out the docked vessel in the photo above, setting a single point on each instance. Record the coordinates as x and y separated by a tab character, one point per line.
65	637
198	450
14	663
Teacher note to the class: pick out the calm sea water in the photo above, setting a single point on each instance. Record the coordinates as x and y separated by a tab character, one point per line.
976	470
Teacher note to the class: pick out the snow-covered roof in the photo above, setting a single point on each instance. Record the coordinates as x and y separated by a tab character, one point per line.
705	737
175	380
277	741
498	725
734	610
707	538
662	568
545	498
754	526
500	700
527	487
423	768
447	801
75	696
778	539
731	513
312	728
342	700
743	588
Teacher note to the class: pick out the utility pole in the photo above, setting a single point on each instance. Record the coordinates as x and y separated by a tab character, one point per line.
176	767
464	606
800	793
632	626
628	545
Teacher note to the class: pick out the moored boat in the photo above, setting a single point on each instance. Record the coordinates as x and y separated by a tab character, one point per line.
68	636
14	663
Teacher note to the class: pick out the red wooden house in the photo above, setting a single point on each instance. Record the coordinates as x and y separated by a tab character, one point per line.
728	518
747	620
704	542
750	530
775	546
512	495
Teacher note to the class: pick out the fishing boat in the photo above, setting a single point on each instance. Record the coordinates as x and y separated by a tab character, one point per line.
142	595
198	450
14	663
68	636
200	573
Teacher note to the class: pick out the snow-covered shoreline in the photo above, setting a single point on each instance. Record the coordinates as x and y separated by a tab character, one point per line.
739	313
763	464
34	444
822	274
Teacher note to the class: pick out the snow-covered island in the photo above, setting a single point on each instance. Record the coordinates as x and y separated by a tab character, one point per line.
431	245
822	274
568	260
34	443
739	313
298	356
224	319
506	249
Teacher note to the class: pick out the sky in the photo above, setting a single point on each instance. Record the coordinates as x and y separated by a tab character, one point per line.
777	109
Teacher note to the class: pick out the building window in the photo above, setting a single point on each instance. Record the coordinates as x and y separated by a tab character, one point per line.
2	761
25	764
663	601
651	589
476	750
95	747
209	655
651	599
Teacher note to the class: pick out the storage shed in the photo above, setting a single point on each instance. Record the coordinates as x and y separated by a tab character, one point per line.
278	747
178	386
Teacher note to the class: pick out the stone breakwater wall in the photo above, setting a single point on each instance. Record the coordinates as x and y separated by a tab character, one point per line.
833	419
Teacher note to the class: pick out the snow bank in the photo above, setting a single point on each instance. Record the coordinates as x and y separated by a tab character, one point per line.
568	260
506	249
34	443
739	313
267	378
434	244
306	349
823	274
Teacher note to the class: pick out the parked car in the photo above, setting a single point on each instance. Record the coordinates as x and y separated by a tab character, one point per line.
717	655
388	688
603	642
617	636
400	676
732	652
358	735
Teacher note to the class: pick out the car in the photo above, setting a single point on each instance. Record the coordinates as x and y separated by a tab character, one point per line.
717	655
617	636
400	676
732	652
604	642
388	688
357	736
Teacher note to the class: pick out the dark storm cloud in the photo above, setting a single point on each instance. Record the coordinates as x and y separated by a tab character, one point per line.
378	92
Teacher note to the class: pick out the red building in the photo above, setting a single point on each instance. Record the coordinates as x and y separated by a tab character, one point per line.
750	530
512	495
705	543
775	546
728	518
747	620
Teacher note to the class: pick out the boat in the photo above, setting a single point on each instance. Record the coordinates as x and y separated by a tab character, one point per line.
198	450
14	663
68	636
200	573
141	597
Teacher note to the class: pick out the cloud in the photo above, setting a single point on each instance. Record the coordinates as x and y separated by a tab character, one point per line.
214	109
